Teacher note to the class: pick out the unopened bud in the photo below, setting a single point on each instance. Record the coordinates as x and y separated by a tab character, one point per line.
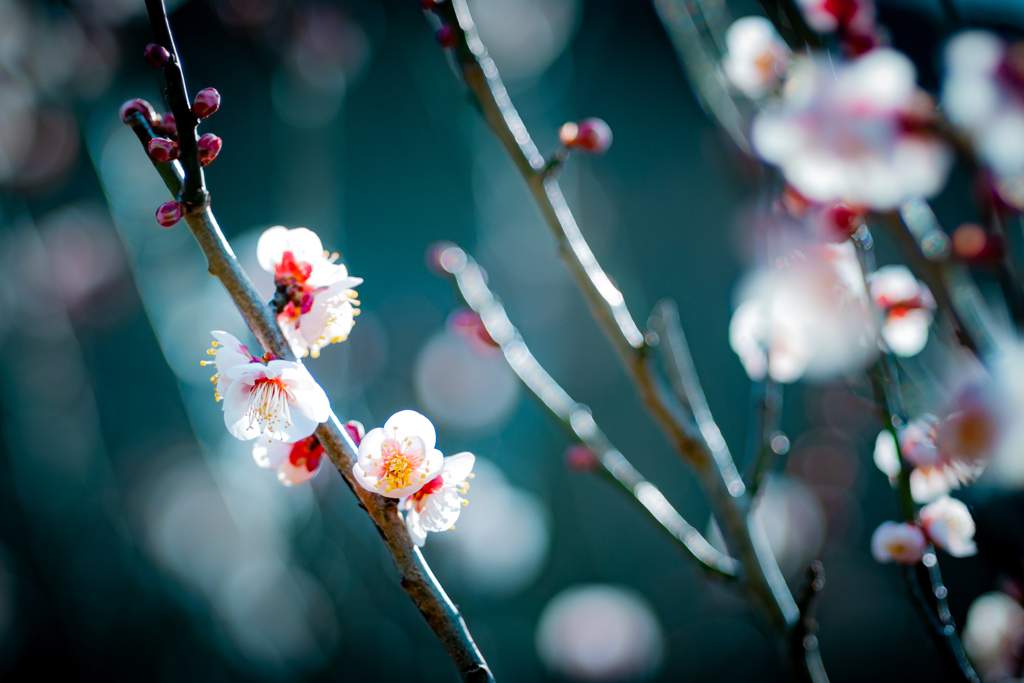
168	214
446	36
579	458
844	220
156	55
355	430
168	126
209	148
207	102
593	136
975	246
468	325
162	149
142	107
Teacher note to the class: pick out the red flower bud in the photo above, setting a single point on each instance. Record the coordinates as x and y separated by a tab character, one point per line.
207	102
209	148
592	136
168	214
844	220
355	430
446	36
168	126
156	55
141	106
162	149
579	458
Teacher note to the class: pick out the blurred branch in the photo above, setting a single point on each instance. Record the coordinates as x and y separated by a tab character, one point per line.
576	416
761	576
805	656
765	419
415	575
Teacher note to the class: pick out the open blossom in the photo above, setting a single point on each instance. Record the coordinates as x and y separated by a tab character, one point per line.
276	397
948	524
436	506
853	133
315	301
926	483
757	57
907	306
917	441
294	463
982	93
809	317
398	459
898	542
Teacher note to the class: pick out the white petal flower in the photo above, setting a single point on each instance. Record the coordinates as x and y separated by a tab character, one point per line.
907	305
898	542
842	133
279	398
295	463
228	352
808	318
757	57
886	457
399	459
917	441
929	483
315	299
949	525
437	505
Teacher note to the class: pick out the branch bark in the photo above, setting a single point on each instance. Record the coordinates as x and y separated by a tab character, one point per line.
414	573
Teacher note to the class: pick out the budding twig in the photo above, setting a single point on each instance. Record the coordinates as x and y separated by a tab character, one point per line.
804	653
576	416
414	574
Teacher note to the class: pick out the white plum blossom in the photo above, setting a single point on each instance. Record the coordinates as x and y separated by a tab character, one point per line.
756	57
807	318
294	463
948	524
228	352
917	441
898	542
926	483
398	459
853	133
982	94
315	298
906	305
994	636
437	505
266	396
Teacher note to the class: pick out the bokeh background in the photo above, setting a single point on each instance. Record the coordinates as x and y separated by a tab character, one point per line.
138	541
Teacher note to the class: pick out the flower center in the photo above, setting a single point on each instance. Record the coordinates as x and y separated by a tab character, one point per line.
306	453
419	499
268	404
398	466
293	296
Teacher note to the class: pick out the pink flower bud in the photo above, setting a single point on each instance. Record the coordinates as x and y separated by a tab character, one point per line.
209	148
592	136
141	106
156	55
168	126
168	214
162	149
579	458
207	102
901	543
446	36
355	430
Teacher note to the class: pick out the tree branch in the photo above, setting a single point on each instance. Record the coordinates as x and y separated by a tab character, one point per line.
576	416
761	577
766	415
805	656
414	574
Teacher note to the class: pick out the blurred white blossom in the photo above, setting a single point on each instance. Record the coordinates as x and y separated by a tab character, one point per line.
907	306
295	463
948	524
897	542
757	57
994	636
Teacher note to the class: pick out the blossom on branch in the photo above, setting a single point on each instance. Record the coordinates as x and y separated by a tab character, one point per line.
315	301
898	542
436	506
948	524
294	463
757	57
855	133
907	306
398	459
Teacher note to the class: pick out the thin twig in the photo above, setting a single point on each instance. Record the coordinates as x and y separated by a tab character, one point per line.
762	453
761	577
805	656
576	416
414	574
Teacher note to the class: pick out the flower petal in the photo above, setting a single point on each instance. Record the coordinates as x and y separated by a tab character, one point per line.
409	423
270	455
290	475
271	246
416	531
369	447
457	467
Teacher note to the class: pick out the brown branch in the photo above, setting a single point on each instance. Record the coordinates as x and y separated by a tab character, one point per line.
414	574
761	578
576	416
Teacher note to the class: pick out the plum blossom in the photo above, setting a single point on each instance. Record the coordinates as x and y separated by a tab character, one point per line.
917	441
907	306
757	57
436	506
276	397
948	524
994	636
315	301
926	483
294	463
983	94
854	133
399	459
808	317
898	542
